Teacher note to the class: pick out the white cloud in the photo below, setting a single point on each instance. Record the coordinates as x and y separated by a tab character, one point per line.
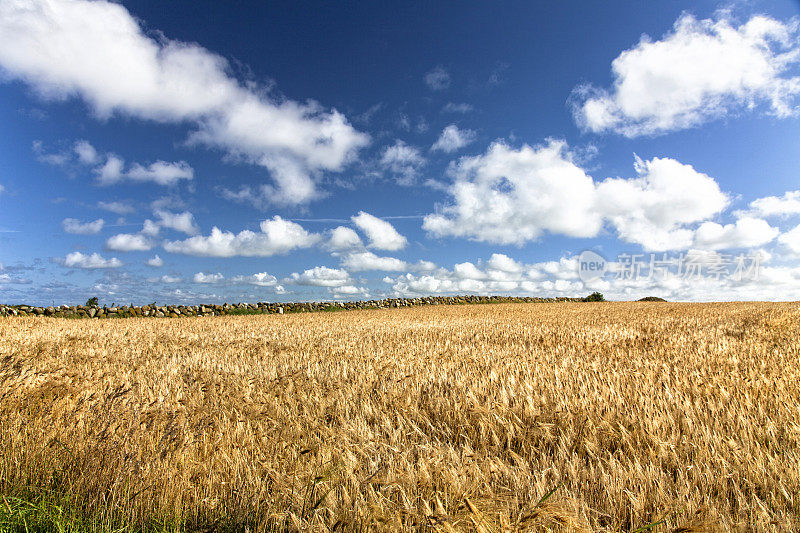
97	51
467	270
110	168
560	278
261	279
791	239
512	196
451	107
6	279
155	261
360	261
349	290
201	277
770	206
89	262
425	266
129	242
2	189
119	208
58	159
111	171
702	70
437	79
168	279
277	236
499	275
566	268
654	209
746	232
321	276
183	222
161	172
86	153
343	238
503	263
403	160
75	226
150	228
453	139
380	233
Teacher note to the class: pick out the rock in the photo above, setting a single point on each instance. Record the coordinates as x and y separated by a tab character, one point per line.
92	312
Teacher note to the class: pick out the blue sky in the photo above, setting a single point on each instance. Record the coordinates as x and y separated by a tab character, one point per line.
188	151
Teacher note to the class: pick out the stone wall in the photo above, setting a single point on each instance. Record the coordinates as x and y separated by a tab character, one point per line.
174	311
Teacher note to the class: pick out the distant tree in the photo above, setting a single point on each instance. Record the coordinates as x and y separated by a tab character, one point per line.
652	299
594	297
92	302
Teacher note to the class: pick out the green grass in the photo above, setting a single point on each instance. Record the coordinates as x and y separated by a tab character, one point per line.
47	513
44	515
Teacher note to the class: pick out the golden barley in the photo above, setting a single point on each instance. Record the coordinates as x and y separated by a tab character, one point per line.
572	417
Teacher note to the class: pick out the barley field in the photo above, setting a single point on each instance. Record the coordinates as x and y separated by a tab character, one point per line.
543	417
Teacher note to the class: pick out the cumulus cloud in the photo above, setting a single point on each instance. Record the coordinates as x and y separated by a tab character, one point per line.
293	186
349	291
183	222
453	139
503	263
167	279
437	79
360	261
119	208
97	51
277	236
76	227
380	233
791	239
202	277
150	228
403	160
500	274
260	279
111	169
155	261
6	279
746	232
129	242
654	209
87	154
701	70
512	196
89	262
781	206
321	276
161	172
343	238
